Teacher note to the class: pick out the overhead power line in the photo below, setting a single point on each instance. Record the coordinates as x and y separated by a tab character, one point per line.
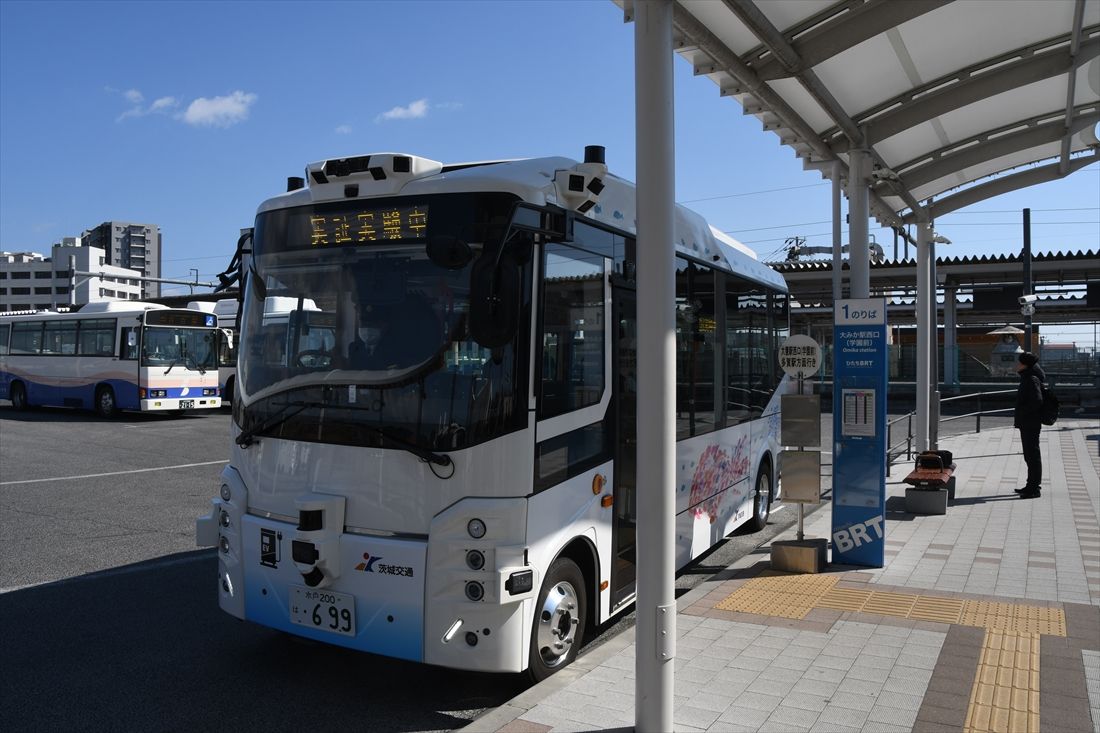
753	193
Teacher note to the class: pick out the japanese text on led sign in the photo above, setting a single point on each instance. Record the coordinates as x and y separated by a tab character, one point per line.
395	222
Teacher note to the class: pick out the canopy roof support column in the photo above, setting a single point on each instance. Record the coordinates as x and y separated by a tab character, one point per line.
859	258
924	337
838	262
654	124
950	337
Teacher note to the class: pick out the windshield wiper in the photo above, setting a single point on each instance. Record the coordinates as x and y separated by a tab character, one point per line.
245	439
195	361
186	360
423	454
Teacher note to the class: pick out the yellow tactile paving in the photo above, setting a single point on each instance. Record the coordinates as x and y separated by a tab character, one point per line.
890	604
932	608
844	599
1014	617
785	596
1005	695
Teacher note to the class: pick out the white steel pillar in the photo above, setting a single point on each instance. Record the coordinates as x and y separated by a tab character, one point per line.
859	211
950	336
924	335
656	621
838	261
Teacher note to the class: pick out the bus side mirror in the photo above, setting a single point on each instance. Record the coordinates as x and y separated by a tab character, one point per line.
494	300
131	339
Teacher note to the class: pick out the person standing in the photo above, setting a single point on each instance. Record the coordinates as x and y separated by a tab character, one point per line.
1027	418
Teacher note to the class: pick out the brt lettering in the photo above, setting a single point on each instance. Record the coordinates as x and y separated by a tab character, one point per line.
857	534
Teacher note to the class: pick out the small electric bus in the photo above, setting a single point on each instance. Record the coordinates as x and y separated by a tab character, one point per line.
434	439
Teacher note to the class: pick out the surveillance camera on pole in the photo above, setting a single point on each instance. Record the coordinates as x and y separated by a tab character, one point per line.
1027	304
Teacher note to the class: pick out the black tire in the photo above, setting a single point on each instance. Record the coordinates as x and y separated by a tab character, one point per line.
105	404
558	628
762	498
19	396
227	395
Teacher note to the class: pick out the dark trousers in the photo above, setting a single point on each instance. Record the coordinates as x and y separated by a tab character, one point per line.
1029	436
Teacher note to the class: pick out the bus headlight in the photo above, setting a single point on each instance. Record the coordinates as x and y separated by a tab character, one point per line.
475	559
223	543
476	528
226	493
209	391
475	591
224	519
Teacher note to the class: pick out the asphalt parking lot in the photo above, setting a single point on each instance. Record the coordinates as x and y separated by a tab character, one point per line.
108	612
80	494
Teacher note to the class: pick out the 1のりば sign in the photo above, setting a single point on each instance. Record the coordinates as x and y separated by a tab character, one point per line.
859	432
800	356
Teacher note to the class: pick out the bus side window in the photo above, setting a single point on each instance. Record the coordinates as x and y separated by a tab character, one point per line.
128	346
5	329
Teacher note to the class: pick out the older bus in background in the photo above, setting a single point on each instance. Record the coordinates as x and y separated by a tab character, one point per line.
110	356
434	431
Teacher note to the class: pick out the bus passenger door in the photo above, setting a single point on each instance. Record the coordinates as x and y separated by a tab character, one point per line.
624	369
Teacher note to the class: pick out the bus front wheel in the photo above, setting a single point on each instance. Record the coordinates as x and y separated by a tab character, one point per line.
227	395
762	500
105	405
558	629
19	396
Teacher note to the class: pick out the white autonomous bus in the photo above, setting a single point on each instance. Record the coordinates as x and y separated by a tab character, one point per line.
450	478
110	356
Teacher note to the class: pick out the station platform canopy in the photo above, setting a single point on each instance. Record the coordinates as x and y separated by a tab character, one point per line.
954	102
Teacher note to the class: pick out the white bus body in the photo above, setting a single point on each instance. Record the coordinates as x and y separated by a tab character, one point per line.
447	475
110	356
226	312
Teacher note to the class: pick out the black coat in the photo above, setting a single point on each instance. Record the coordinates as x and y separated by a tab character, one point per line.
1029	398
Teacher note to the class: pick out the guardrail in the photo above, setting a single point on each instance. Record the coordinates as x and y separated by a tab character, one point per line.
894	451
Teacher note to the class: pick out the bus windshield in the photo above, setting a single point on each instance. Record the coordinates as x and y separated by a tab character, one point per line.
369	332
193	348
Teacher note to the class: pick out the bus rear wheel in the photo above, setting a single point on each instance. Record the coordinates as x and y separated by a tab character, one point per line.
558	629
19	396
762	499
105	405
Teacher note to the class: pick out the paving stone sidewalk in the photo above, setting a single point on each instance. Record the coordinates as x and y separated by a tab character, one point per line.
983	619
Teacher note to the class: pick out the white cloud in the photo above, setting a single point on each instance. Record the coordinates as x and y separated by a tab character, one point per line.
343	130
136	98
414	110
219	111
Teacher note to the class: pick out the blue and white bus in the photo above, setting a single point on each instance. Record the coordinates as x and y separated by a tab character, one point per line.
447	473
225	311
110	356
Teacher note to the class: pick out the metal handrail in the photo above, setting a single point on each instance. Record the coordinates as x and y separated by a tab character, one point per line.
908	440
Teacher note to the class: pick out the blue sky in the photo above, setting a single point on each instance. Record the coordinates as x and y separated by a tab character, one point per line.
188	115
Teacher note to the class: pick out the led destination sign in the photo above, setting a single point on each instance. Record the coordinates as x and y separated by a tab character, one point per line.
187	319
368	225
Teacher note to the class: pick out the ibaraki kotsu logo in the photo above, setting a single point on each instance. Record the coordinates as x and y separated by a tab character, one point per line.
368	566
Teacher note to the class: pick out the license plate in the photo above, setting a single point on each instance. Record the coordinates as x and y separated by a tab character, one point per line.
187	404
323	609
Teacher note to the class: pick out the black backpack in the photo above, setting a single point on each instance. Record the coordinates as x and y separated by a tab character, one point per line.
1048	413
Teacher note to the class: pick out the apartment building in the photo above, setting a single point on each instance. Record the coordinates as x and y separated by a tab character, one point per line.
31	281
132	246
